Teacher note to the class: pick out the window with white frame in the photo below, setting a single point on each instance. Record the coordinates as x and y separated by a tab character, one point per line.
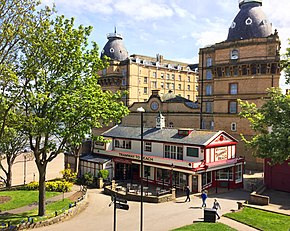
239	173
145	80
167	85
188	87
172	86
167	76
233	88
179	86
172	76
179	77
188	78
208	107
154	84
162	85
162	75
234	127
145	90
224	174
125	144
148	147
154	74
173	152
206	178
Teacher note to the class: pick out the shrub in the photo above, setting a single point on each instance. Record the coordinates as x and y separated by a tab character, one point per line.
69	175
52	186
86	179
104	173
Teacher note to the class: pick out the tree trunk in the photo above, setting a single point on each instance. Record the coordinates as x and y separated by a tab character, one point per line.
9	177
41	196
77	158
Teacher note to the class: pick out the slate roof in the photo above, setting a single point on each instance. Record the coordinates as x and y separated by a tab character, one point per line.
95	158
250	22
115	48
162	135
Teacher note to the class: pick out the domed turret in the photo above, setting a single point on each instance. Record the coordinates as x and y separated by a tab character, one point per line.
250	22
115	48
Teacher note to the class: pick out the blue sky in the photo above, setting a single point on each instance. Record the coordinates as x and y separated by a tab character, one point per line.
174	28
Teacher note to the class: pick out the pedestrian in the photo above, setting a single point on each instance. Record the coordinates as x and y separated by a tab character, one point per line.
203	197
216	206
187	190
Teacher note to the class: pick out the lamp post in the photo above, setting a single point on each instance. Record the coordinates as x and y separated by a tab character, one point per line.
141	110
172	166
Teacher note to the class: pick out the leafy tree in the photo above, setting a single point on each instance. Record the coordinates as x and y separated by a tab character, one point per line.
272	123
11	145
285	64
62	100
103	173
15	18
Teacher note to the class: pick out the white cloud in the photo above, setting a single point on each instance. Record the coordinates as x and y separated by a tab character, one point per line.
143	9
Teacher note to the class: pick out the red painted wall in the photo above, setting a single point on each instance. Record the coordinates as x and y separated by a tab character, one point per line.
277	177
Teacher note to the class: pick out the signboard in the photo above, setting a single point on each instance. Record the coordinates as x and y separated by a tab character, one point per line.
122	206
221	153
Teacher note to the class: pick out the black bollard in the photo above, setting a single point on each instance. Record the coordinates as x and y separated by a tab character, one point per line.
55	213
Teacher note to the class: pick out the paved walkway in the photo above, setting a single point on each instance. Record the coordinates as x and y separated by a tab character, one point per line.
157	217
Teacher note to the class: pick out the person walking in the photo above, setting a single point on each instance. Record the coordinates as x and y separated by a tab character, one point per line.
187	190
203	197
216	206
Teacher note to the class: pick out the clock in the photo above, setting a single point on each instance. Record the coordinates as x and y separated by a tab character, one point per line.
154	105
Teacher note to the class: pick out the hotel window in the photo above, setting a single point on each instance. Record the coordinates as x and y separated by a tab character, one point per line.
209	62
147	172
162	85
188	87
162	75
192	152
239	173
233	127
126	144
227	70
179	78
123	82
208	107
154	74
170	125
253	69
233	88
145	80
233	107
124	72
188	78
244	70
236	72
172	85
179	86
208	90
145	90
167	76
208	74
263	68
148	147
206	178
172	76
154	84
188	97
167	85
224	174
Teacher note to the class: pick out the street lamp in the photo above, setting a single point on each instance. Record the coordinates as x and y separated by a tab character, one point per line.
141	110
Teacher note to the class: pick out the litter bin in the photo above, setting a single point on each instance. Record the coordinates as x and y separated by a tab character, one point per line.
209	215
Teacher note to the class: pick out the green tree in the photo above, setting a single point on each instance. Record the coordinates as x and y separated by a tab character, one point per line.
271	122
12	144
62	100
15	18
285	64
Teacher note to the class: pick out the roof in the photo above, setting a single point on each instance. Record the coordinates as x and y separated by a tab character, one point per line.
95	158
250	22
196	137
115	48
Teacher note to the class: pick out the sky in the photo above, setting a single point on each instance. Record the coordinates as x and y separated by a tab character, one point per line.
175	29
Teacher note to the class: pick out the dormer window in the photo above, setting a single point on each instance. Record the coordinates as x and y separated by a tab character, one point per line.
234	54
184	132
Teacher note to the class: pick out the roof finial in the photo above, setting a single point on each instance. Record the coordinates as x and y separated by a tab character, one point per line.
115	30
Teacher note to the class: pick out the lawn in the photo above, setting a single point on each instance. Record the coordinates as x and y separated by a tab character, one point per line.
20	198
262	220
204	226
59	206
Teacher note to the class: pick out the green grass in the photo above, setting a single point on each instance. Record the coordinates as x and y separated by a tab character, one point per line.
20	198
262	220
59	206
204	226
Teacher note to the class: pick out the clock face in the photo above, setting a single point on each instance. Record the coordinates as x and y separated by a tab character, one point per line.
154	106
